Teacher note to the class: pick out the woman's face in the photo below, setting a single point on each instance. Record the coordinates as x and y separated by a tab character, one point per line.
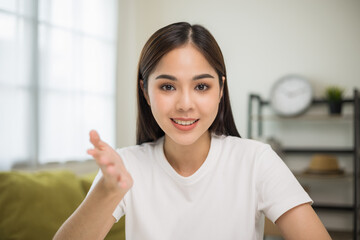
184	94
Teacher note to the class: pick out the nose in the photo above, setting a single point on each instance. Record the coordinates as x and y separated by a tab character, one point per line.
184	101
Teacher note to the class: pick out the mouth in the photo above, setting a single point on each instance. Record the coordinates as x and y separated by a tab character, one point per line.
184	122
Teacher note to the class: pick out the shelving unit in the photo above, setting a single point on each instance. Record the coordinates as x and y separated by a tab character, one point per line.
256	117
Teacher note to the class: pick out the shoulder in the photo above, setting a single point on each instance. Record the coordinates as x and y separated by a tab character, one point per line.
241	145
249	153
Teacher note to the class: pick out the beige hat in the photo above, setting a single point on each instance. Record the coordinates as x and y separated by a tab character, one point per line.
324	164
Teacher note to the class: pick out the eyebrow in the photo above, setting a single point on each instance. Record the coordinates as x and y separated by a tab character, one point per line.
172	78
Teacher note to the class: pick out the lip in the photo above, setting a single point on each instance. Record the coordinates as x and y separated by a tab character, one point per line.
185	119
182	127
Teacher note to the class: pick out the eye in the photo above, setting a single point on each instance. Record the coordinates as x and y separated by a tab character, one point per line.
202	87
167	87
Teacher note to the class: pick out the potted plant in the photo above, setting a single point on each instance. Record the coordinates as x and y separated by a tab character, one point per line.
334	95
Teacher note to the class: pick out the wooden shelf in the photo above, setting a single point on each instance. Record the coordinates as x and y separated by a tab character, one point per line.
333	207
257	117
340	235
314	101
305	150
345	176
306	117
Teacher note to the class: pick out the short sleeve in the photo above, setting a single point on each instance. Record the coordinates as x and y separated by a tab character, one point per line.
278	189
120	208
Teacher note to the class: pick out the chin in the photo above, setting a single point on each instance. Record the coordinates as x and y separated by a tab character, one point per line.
185	139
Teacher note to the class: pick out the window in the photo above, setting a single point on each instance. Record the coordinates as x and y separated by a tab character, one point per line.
57	78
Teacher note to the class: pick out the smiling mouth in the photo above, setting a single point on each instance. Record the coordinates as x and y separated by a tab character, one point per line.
184	123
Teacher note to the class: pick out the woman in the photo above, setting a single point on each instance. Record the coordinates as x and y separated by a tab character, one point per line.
191	176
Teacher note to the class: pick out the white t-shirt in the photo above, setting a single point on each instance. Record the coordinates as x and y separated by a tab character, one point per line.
226	198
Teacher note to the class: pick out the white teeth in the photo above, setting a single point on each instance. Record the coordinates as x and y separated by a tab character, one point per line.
184	123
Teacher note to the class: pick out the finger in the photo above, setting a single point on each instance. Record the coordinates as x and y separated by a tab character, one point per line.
100	160
91	152
95	153
111	169
115	170
117	176
123	184
118	162
112	173
107	156
110	178
95	139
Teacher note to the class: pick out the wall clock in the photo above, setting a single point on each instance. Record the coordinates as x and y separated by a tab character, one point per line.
291	95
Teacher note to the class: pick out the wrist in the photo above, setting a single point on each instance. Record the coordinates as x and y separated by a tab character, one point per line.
110	191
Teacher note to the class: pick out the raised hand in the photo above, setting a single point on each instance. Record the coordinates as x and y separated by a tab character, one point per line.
115	176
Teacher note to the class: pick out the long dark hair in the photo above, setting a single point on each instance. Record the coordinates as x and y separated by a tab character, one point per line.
163	41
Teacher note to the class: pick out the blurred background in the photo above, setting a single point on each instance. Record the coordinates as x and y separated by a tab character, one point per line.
69	66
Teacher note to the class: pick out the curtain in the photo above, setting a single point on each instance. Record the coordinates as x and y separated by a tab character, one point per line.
57	78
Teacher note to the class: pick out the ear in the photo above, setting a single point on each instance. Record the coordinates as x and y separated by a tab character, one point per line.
144	91
222	88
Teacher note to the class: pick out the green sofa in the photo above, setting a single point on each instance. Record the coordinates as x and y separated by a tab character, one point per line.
34	205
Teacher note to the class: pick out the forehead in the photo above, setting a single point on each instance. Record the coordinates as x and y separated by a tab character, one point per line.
186	57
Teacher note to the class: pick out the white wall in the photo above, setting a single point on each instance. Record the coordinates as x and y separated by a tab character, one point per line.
261	42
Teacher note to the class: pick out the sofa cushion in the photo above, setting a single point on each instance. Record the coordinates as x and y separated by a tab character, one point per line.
34	205
87	180
117	231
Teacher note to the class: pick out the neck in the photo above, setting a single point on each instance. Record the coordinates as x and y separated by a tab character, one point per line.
187	159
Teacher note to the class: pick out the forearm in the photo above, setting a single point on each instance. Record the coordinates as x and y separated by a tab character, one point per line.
93	218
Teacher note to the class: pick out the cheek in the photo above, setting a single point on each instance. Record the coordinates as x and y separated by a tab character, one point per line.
158	102
209	104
